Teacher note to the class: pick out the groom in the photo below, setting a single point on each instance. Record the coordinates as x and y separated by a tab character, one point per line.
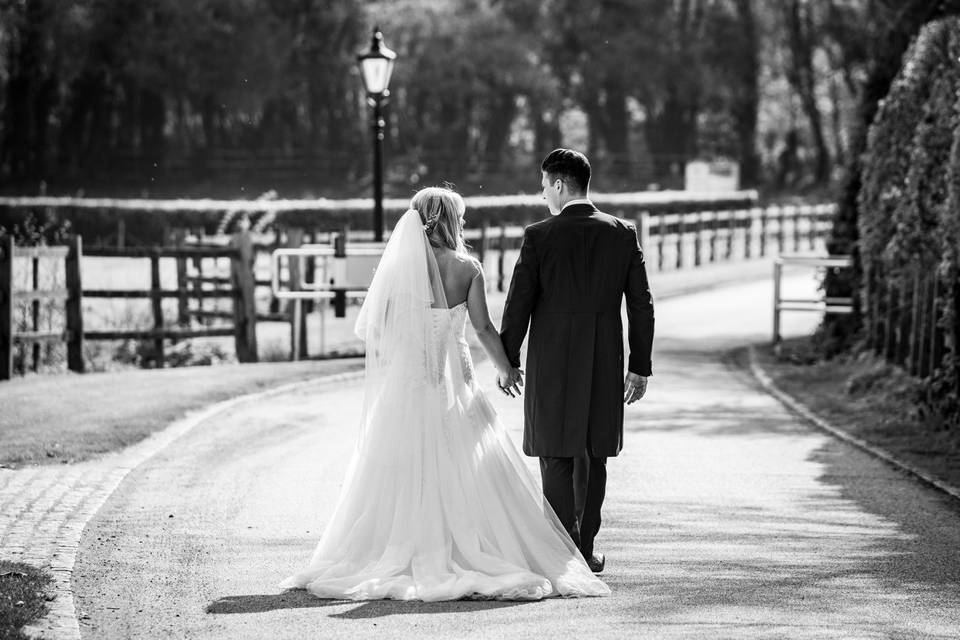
568	284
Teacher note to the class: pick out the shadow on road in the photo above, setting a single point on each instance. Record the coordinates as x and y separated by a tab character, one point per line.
298	599
381	608
259	603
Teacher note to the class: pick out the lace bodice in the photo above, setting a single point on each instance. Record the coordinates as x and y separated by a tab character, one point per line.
449	325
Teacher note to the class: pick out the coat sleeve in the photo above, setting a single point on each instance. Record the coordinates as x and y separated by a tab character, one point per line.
639	311
521	299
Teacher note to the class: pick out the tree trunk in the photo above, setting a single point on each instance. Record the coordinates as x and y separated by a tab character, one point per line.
801	75
746	103
503	108
546	127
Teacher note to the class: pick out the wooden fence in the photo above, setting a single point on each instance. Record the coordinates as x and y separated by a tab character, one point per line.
240	290
670	241
903	322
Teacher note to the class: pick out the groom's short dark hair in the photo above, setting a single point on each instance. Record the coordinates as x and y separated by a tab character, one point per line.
570	166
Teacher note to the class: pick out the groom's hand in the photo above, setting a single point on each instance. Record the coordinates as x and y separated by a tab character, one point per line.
634	386
509	382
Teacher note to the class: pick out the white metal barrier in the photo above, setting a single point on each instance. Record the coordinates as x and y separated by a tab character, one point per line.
338	272
825	304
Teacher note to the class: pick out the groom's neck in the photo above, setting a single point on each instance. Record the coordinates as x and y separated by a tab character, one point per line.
573	196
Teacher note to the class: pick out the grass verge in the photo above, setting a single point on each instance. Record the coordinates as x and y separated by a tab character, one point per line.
869	399
23	599
69	418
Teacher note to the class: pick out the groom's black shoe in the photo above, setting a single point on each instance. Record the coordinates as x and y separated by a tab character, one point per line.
596	562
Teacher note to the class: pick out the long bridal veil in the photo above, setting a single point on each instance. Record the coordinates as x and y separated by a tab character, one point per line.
396	321
437	502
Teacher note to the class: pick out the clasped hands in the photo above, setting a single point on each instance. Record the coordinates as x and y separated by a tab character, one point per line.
510	381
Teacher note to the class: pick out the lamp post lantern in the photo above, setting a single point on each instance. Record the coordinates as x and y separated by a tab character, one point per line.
376	65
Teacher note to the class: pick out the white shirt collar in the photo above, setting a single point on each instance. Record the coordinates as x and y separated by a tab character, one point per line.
577	201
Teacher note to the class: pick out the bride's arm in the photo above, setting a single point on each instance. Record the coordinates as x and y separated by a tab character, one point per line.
480	319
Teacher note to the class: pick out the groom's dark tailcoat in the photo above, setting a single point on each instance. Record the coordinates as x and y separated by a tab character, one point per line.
568	284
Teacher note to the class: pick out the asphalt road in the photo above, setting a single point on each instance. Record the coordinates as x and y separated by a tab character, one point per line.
726	517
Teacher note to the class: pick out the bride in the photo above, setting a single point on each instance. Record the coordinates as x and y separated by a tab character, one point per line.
437	503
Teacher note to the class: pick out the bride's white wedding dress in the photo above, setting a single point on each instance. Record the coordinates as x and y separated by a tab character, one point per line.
437	503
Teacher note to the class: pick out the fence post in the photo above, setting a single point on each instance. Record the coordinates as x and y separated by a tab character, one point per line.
916	321
482	249
892	311
875	320
812	218
711	218
244	303
156	302
6	307
797	210
763	231
74	306
748	234
277	233
661	234
309	276
936	334
697	238
34	313
731	231
198	289
502	249
681	230
298	316
781	228
777	273
926	327
903	333
183	301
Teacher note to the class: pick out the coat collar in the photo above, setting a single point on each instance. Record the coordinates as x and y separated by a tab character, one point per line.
579	208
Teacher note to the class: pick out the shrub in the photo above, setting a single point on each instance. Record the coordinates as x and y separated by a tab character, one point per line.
910	204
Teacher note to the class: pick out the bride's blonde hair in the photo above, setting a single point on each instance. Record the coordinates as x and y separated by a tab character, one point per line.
441	211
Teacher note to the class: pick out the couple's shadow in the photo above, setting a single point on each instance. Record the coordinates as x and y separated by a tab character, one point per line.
298	599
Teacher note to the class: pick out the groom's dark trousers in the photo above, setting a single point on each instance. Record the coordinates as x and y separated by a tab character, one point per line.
575	488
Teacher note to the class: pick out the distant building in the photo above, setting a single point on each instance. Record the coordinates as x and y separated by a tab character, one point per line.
714	175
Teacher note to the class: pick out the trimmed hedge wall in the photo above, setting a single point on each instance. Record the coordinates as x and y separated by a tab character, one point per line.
909	220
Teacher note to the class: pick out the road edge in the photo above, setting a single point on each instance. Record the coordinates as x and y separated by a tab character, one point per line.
798	407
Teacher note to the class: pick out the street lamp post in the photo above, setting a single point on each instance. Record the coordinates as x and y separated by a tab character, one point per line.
376	65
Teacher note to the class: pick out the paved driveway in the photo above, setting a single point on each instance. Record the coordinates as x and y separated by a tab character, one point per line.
726	517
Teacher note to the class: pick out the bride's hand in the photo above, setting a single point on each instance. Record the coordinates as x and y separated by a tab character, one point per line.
510	381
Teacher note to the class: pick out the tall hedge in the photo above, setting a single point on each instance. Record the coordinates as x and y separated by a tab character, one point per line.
893	24
887	160
945	389
909	204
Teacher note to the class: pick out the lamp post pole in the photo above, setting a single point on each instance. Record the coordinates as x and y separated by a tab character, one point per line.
376	65
378	129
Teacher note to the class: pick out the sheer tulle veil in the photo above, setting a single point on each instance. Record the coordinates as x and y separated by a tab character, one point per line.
395	320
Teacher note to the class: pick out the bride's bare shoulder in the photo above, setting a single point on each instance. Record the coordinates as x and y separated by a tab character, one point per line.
468	265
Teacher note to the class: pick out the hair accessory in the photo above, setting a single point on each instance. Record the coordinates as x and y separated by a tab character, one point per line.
431	224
